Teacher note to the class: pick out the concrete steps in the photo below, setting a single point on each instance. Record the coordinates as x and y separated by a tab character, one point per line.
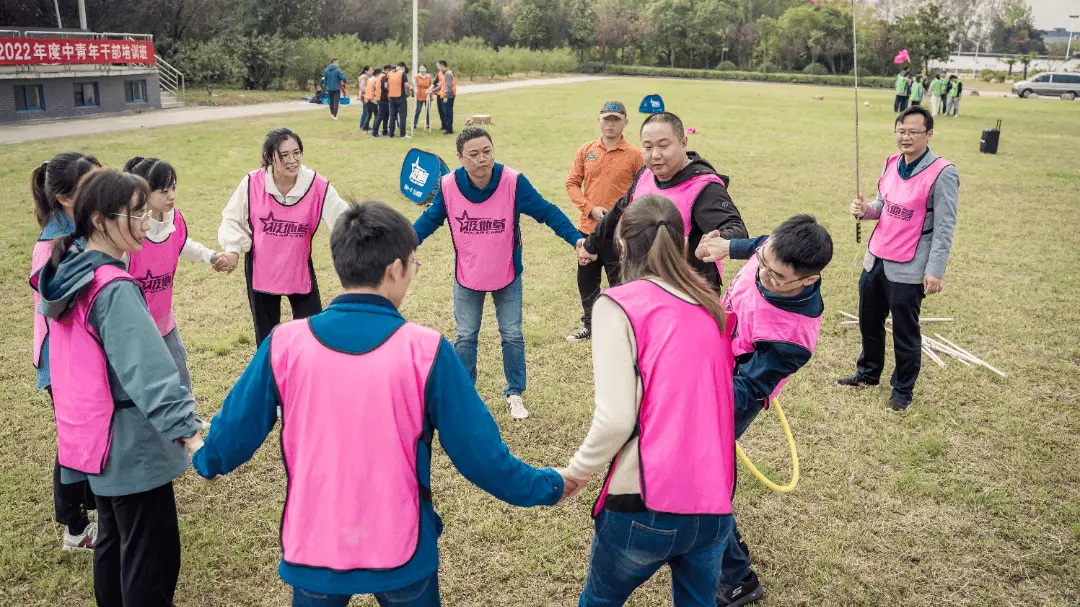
169	101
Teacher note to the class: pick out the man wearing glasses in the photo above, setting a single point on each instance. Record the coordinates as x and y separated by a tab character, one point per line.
483	201
775	304
916	208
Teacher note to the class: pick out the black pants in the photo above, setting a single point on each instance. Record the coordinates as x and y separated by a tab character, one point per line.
382	117
71	501
446	114
399	114
335	99
420	105
879	297
900	104
266	307
944	102
137	559
371	116
588	283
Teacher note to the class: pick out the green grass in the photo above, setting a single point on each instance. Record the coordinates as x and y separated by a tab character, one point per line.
972	497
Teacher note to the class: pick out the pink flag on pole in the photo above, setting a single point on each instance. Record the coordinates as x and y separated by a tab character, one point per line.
902	57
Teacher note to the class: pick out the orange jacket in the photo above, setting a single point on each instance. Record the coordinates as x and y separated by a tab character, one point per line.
369	94
605	174
442	84
395	80
423	85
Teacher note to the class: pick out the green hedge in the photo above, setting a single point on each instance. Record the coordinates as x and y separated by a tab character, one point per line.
828	80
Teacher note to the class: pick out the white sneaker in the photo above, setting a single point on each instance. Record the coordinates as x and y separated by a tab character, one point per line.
516	407
334	117
408	136
84	542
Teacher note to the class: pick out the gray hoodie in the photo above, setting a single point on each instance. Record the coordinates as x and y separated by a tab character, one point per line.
146	451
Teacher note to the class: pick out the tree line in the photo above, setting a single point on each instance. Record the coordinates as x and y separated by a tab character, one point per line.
749	35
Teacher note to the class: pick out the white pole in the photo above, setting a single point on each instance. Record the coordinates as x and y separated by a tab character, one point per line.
1068	47
855	54
82	15
56	4
415	57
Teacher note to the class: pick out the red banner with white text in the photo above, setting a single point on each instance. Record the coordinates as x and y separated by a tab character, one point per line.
67	51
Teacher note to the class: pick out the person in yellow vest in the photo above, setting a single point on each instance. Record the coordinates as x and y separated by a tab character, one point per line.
423	89
361	95
398	86
446	89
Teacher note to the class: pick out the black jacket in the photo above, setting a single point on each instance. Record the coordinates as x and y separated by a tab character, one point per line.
712	210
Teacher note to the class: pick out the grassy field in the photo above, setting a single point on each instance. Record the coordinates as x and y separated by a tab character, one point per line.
972	497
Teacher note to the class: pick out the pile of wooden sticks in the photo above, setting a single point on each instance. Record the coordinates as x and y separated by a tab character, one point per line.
934	348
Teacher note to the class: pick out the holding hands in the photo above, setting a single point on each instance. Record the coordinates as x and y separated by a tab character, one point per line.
713	247
584	257
225	262
572	485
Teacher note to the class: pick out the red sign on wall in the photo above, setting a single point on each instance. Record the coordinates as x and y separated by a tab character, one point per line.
65	51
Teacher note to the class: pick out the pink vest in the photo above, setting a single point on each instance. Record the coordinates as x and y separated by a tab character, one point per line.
683	195
38	258
900	227
154	268
483	233
281	236
755	319
82	401
353	497
686	421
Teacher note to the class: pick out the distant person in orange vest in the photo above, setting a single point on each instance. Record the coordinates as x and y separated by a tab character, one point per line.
371	106
423	89
399	89
361	96
382	96
446	89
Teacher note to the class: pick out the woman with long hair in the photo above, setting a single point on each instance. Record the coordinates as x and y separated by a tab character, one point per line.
664	419
122	417
53	187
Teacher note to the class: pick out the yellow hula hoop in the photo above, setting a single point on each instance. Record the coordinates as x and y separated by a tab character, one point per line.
794	457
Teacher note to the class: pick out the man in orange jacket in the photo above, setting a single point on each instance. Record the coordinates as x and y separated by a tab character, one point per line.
398	90
603	170
446	88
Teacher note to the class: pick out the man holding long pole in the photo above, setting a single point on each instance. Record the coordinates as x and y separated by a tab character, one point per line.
916	209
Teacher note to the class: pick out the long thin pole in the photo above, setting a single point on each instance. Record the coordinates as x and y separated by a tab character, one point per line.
855	54
82	15
59	23
415	57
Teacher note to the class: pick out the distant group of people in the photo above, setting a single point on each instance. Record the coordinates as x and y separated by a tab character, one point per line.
384	95
943	91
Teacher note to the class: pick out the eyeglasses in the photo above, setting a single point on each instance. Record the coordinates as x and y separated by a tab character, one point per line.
144	217
773	276
903	133
285	156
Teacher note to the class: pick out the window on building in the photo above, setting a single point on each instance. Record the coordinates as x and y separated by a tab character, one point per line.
86	94
29	98
135	91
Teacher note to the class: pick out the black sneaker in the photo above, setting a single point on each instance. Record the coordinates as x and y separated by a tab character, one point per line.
734	595
580	335
854	382
899	403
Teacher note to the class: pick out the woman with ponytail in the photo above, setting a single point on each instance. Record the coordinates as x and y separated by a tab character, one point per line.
53	187
664	419
167	242
122	416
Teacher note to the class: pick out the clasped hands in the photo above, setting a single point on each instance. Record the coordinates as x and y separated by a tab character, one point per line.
572	484
713	247
224	262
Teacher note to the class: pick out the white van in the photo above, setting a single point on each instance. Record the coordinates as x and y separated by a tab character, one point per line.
1050	84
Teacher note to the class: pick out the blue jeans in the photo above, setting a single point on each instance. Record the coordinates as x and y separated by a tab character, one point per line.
364	116
469	311
735	568
628	548
421	105
424	593
382	118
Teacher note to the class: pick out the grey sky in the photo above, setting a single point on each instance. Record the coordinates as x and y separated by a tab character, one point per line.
1050	14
